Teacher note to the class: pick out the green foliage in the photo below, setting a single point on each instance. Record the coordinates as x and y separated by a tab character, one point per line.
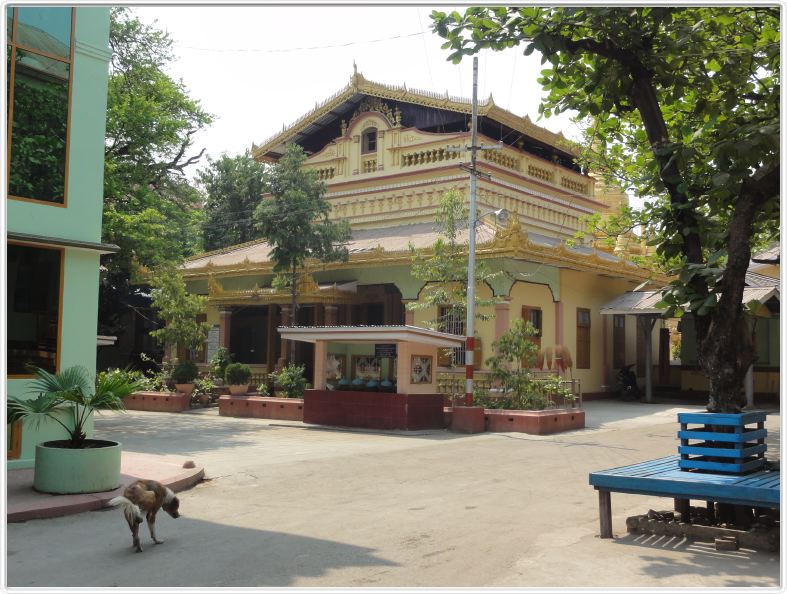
149	206
681	106
128	375
519	389
295	221
74	389
444	267
291	381
185	372
233	187
202	387
178	309
237	374
218	363
263	389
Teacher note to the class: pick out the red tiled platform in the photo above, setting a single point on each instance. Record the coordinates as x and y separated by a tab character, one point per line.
261	407
23	503
373	410
158	401
536	422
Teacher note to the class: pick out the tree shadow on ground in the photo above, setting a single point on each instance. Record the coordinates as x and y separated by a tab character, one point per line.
97	552
701	554
172	433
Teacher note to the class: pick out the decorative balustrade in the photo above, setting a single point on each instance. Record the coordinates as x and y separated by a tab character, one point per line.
427	156
326	173
503	159
574	186
369	165
539	172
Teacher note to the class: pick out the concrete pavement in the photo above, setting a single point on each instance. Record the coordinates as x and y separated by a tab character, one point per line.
289	505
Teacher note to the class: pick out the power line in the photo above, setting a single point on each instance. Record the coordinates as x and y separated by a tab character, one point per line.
299	49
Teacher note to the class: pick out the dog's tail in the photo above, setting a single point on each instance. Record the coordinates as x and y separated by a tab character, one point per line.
130	509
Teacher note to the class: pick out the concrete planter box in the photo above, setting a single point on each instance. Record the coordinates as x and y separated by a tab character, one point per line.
158	401
88	470
261	407
536	422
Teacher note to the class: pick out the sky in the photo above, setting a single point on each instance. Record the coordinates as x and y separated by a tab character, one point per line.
259	67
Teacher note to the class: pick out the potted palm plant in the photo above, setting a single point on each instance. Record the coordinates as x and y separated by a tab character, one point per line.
184	375
237	376
77	464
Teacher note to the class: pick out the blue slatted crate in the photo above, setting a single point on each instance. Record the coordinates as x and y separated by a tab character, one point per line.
722	442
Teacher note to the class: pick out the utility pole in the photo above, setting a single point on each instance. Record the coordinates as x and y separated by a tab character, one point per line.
470	325
500	213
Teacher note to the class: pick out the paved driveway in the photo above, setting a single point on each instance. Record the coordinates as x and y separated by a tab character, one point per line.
297	506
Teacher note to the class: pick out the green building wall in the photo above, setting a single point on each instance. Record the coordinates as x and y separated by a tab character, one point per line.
80	220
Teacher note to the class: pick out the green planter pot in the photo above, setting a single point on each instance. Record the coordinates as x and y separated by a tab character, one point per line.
88	470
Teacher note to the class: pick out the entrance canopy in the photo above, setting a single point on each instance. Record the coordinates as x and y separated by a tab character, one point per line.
371	334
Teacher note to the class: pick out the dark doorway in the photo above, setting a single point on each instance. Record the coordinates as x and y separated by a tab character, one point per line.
249	335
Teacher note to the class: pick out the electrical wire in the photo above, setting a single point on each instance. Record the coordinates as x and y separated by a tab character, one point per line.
298	49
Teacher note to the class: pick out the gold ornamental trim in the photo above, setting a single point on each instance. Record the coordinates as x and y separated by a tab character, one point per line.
359	84
509	242
308	292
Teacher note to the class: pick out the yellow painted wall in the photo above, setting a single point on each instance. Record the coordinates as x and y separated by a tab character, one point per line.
590	291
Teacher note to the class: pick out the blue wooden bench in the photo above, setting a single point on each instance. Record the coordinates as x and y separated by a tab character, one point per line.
664	478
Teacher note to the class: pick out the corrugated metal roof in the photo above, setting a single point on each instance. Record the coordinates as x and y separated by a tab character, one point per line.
644	302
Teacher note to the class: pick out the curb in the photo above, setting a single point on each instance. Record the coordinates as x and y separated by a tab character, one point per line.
75	504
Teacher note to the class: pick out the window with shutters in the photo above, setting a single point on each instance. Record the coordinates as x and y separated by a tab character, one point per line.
618	341
583	338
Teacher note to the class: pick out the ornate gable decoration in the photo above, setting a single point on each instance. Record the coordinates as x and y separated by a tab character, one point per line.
394	117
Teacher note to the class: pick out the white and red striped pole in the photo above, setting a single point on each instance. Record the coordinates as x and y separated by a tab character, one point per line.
470	326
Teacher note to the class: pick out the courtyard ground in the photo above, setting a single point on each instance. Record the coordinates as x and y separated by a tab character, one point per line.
289	505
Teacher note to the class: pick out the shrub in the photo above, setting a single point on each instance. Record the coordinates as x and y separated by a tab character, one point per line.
131	376
185	372
291	381
202	387
218	363
237	374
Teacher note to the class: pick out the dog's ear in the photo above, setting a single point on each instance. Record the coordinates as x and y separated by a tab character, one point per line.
172	507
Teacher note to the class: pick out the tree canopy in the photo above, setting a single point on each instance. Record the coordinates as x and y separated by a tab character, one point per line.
149	205
683	108
233	187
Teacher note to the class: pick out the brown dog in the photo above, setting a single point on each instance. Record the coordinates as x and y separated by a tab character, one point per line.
142	500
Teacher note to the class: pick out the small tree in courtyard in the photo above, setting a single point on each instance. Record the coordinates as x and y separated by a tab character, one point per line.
178	309
443	267
295	221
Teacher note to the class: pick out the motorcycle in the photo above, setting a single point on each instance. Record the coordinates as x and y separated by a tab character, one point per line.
627	383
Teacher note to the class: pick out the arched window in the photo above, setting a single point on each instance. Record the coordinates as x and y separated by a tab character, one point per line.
369	141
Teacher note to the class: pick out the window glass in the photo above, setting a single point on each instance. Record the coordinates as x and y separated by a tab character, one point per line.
369	140
39	129
33	292
46	29
9	20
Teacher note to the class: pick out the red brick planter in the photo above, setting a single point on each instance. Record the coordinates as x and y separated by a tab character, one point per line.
537	422
158	401
373	410
467	419
261	407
